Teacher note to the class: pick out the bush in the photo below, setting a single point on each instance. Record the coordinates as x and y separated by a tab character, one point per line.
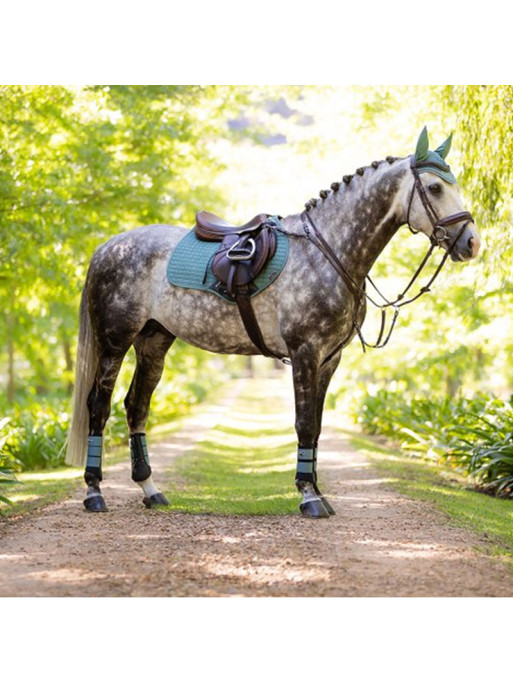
474	436
34	437
7	463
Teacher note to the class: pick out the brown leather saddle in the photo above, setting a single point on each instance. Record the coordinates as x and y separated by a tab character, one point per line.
242	255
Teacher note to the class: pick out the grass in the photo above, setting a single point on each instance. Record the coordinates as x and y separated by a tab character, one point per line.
37	488
40	488
489	517
245	466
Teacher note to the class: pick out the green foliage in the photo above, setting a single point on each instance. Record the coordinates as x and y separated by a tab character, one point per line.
78	165
7	462
490	517
34	439
34	435
458	340
475	436
486	449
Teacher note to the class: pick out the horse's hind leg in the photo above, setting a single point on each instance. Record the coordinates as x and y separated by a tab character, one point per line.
151	346
98	403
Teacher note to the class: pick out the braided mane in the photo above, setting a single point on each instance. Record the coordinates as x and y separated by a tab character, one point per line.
346	180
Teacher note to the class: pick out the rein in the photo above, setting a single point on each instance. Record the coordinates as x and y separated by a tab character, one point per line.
438	236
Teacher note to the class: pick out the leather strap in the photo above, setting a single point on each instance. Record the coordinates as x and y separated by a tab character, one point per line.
330	255
243	301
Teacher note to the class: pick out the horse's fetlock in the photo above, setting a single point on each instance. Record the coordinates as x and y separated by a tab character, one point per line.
93	479
141	470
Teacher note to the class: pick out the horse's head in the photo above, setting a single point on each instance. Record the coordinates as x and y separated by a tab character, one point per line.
433	204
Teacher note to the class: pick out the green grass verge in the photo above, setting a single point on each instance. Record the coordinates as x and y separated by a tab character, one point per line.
491	518
38	488
35	489
244	466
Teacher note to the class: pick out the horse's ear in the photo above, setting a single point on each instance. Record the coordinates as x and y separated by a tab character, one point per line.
421	152
444	148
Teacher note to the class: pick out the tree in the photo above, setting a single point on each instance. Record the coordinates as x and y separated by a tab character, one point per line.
78	165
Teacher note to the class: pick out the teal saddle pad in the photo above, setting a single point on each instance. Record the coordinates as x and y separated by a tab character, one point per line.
190	266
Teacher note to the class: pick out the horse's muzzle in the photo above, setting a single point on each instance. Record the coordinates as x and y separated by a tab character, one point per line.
467	244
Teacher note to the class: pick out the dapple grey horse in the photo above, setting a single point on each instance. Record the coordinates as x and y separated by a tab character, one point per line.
312	310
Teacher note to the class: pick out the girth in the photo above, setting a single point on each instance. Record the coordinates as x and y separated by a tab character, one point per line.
243	253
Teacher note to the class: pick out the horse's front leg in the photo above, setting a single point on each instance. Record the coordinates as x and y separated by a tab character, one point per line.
325	374
306	374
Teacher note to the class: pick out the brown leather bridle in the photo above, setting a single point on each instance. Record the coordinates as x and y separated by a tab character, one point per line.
438	236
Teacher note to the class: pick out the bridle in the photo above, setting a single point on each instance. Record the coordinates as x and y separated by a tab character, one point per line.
439	225
438	236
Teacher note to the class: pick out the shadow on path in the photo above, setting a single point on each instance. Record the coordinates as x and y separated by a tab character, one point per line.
379	544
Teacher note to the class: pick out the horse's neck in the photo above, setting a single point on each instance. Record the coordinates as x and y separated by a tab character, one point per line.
360	218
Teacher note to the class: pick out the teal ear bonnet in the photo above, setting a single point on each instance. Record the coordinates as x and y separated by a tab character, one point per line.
425	160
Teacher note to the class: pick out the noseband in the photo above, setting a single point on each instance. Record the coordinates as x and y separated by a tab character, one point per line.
438	236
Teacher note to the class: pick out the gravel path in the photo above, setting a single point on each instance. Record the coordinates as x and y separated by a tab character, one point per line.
379	544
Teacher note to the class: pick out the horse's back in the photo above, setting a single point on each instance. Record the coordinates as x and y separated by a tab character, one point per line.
122	275
133	247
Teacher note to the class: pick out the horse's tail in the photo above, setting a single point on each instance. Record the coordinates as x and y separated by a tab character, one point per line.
85	369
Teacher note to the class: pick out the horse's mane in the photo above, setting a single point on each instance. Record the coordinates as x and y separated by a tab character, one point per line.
346	180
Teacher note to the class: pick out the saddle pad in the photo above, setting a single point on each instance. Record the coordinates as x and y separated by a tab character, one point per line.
190	266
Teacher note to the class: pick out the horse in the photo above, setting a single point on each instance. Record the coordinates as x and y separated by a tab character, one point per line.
308	315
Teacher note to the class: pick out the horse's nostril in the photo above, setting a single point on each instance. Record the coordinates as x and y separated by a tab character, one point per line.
474	244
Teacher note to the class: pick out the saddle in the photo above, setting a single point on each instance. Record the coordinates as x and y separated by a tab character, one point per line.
212	228
242	255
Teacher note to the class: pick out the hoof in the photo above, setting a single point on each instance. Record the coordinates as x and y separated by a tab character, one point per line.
95	504
327	505
314	509
324	500
155	500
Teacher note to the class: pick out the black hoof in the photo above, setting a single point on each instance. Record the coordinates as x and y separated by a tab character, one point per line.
95	504
325	501
314	509
155	500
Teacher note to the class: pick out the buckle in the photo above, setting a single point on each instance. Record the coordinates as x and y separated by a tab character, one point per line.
439	234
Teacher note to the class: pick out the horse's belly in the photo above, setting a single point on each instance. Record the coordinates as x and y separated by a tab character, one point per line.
209	322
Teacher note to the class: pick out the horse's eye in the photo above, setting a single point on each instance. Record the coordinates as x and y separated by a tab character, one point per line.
435	188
